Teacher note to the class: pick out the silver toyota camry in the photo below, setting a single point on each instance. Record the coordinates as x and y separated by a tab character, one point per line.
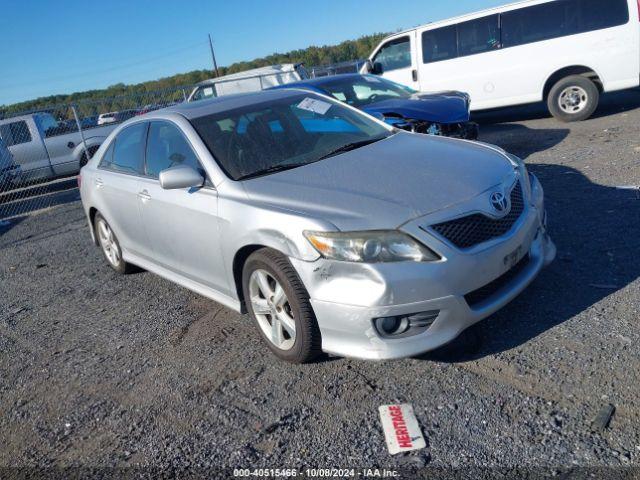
334	231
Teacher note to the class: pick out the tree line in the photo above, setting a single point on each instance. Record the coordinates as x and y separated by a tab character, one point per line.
124	96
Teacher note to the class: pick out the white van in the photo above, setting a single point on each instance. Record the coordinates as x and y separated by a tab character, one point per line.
566	52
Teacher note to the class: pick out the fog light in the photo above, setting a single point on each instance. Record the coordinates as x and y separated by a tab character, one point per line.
391	325
405	325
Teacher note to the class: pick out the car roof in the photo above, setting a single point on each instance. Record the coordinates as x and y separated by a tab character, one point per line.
200	108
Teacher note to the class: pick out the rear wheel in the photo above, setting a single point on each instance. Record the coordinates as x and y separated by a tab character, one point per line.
279	304
573	99
110	246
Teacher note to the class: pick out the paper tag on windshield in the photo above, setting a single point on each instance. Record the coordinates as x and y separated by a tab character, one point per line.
401	429
314	105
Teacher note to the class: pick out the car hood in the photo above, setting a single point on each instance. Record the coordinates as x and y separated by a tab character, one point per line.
442	107
385	184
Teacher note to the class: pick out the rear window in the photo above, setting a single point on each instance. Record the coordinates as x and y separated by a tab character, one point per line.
15	133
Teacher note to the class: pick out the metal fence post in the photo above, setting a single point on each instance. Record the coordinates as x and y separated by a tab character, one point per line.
84	141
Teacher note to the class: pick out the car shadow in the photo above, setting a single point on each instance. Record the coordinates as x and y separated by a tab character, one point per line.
597	237
610	103
521	140
6	225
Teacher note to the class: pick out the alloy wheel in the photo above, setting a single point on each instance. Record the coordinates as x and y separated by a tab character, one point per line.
108	243
272	310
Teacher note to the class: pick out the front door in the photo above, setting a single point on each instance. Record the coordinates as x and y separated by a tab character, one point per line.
396	60
182	224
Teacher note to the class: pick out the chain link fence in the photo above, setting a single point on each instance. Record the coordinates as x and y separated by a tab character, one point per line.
41	151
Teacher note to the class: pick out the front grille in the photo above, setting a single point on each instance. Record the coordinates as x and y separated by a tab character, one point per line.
473	229
483	293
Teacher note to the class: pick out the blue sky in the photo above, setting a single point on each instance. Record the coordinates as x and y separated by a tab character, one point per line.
65	46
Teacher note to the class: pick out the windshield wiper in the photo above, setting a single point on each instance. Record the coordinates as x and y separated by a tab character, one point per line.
351	146
271	169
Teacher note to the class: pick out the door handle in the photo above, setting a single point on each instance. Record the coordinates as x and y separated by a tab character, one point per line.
144	195
98	183
414	75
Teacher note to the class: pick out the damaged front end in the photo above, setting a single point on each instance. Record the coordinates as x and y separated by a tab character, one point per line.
464	130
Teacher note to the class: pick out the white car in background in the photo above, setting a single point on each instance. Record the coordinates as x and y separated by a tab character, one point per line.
115	117
565	52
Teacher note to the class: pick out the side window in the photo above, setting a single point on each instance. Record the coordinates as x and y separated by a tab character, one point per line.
129	149
594	15
539	22
15	133
167	147
394	54
107	158
478	36
439	44
203	92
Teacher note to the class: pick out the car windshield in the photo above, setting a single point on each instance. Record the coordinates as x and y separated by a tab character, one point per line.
285	133
364	89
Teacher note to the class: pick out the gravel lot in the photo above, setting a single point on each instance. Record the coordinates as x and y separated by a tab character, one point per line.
100	370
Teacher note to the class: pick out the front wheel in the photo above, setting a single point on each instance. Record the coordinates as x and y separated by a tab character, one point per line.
573	99
279	304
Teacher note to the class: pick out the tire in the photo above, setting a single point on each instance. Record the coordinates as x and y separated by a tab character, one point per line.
573	99
303	344
112	252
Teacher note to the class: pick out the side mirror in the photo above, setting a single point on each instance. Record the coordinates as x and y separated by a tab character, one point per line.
377	69
181	176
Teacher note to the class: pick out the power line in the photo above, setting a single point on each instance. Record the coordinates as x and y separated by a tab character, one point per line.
106	70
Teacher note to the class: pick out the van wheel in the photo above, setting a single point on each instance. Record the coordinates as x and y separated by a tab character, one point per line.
573	99
110	246
279	304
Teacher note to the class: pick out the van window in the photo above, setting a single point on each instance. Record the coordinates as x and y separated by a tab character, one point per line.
479	35
595	15
15	133
561	18
394	54
439	44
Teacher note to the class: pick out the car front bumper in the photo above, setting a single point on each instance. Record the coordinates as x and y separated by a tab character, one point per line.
346	297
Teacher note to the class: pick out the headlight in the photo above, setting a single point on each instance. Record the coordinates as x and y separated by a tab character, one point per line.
370	247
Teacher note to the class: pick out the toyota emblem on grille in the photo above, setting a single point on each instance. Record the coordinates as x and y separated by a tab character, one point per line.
499	202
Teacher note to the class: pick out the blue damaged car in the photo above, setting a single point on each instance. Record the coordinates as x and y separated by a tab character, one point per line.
442	113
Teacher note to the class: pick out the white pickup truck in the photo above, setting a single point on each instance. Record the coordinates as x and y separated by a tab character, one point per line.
44	148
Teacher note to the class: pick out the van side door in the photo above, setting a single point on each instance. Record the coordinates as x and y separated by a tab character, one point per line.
396	59
463	56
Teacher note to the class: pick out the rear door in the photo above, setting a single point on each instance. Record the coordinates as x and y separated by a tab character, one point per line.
395	59
182	224
117	180
26	145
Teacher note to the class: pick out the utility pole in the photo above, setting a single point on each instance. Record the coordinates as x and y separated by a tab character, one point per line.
213	57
